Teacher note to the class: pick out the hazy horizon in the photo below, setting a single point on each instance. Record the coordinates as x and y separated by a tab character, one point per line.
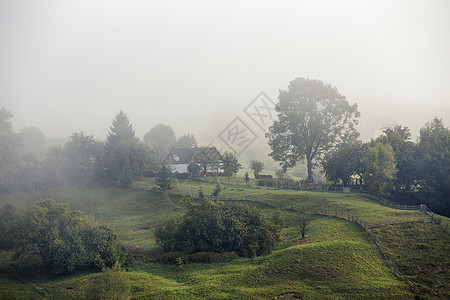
70	66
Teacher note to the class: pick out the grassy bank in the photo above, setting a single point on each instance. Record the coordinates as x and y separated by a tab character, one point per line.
337	259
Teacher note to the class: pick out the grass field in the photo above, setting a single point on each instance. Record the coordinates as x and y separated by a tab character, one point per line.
336	260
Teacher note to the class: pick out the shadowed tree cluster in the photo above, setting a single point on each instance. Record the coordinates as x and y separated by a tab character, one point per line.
218	227
52	237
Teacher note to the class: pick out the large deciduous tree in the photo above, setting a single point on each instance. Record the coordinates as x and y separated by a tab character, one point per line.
161	139
312	118
82	153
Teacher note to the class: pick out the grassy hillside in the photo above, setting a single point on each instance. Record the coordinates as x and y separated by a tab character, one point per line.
337	259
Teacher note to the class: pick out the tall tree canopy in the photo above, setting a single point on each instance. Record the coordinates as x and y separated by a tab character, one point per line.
33	141
434	164
120	130
82	153
342	163
380	168
125	155
405	158
186	141
9	141
312	118
161	139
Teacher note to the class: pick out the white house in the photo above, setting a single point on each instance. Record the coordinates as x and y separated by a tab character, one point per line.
179	159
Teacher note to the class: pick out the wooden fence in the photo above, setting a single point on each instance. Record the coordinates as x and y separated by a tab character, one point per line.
429	216
38	188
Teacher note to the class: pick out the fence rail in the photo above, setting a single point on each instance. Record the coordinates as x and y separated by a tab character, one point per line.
367	226
335	213
38	188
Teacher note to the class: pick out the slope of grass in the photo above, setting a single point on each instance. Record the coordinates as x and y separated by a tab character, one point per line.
360	205
336	260
422	253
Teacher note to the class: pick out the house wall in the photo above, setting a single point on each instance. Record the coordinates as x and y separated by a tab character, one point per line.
180	168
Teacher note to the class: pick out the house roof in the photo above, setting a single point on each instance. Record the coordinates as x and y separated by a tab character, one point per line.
188	155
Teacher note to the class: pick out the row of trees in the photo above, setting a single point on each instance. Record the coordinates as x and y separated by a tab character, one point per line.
394	165
316	124
121	157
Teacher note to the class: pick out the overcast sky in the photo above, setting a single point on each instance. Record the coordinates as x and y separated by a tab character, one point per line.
67	66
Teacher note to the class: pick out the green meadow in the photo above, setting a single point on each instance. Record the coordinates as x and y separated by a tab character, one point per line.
336	260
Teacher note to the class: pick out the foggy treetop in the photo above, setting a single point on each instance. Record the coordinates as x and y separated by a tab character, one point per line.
68	66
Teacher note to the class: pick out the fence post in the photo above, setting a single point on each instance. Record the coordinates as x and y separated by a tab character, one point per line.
387	221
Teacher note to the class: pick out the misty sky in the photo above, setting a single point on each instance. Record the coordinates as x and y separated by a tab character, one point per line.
67	66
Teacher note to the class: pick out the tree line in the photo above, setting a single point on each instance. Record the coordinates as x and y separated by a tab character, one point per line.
118	159
316	124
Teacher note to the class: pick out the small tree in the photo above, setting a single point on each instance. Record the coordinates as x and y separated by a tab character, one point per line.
231	164
303	222
194	168
246	178
216	191
201	195
163	179
256	166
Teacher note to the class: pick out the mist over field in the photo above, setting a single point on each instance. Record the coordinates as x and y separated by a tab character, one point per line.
224	149
70	66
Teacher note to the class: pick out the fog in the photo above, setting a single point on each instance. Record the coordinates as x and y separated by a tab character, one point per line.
70	66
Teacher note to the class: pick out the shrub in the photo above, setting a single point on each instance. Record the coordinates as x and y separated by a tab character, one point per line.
64	240
220	228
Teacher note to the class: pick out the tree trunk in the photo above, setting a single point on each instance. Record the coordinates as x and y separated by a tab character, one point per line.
309	166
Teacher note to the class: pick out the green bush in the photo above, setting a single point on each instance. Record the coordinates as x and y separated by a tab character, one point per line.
220	228
49	235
